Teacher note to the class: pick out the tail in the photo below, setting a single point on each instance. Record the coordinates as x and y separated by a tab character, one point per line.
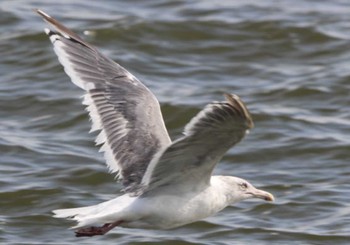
106	212
71	213
80	215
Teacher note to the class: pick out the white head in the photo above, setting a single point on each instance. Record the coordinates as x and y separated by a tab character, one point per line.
238	189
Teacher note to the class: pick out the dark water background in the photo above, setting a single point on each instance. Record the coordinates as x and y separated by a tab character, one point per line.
288	60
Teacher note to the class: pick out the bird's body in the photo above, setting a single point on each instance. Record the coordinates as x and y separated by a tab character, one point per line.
164	208
167	184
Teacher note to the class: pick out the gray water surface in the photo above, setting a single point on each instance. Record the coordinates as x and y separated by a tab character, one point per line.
288	60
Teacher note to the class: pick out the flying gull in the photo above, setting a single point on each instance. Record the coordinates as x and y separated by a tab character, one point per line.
166	183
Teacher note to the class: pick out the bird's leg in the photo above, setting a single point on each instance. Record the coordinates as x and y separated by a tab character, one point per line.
97	230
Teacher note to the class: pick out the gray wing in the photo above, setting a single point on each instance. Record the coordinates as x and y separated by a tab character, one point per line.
127	114
191	159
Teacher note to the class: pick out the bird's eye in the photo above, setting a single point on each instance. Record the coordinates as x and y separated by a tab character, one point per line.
244	185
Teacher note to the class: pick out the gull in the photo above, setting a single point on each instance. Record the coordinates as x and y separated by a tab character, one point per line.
166	183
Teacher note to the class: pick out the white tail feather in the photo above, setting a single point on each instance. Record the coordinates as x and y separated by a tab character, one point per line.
71	213
106	212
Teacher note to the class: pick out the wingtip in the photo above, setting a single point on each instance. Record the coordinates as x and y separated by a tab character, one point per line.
36	10
236	102
41	13
231	97
45	16
61	29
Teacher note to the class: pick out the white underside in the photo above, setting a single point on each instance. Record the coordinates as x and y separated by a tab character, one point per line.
164	210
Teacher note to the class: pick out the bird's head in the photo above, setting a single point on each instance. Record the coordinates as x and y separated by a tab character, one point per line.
241	189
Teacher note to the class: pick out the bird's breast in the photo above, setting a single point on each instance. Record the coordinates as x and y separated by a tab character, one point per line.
169	211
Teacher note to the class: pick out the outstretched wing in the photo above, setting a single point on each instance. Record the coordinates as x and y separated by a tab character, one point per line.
127	114
191	159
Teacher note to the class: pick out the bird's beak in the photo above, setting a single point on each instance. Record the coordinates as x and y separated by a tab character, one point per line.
262	195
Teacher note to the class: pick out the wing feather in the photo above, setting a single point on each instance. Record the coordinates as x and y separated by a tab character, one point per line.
125	112
191	159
